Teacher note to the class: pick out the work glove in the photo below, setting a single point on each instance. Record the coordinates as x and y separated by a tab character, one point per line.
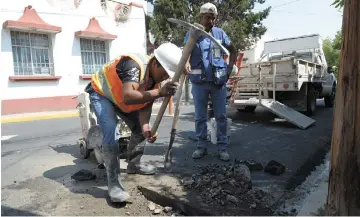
147	133
169	89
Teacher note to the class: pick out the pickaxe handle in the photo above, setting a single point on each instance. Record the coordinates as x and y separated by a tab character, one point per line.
178	98
180	69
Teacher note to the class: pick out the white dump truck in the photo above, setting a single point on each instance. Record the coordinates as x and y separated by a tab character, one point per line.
295	69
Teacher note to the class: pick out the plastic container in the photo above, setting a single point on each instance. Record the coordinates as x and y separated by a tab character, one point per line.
213	130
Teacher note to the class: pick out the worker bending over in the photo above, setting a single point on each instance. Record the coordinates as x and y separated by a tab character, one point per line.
127	86
208	73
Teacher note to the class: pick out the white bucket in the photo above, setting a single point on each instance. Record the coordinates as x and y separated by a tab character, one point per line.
213	130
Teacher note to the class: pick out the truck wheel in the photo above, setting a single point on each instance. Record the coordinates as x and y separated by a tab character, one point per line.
311	100
329	100
84	151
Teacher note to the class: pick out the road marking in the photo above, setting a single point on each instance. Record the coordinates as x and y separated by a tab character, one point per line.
4	138
39	117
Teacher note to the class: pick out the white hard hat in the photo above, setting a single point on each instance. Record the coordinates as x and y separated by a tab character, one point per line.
208	8
168	55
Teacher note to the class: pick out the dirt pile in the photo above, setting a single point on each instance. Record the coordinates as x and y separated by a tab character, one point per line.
225	185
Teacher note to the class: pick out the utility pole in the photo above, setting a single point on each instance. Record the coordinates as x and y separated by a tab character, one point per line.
344	181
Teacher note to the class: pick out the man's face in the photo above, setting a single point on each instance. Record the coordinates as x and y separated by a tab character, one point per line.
207	20
158	72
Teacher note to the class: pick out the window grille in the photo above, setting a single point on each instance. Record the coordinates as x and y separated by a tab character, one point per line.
31	54
93	55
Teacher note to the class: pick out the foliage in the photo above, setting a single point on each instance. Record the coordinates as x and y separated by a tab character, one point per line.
338	3
332	49
236	17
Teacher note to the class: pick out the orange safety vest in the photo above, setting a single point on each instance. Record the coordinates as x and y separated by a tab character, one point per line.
107	83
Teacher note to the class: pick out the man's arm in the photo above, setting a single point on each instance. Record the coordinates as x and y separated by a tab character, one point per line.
134	96
187	65
129	73
144	116
232	49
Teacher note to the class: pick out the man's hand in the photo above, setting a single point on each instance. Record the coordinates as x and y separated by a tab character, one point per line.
187	68
169	89
147	133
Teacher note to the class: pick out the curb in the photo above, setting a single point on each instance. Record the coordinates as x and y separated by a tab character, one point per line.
39	117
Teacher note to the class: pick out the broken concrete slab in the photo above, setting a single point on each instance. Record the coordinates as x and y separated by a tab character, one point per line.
159	197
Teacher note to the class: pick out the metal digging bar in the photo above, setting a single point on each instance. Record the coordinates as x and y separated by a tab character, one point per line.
168	154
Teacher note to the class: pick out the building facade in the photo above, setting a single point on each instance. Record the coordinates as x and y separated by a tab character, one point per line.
50	48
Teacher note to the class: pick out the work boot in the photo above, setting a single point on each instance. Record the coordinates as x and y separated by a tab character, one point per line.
116	191
199	153
224	155
136	149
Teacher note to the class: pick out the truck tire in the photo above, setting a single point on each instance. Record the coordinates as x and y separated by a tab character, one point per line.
329	100
311	100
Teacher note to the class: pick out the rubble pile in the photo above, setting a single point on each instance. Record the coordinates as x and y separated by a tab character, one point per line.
225	185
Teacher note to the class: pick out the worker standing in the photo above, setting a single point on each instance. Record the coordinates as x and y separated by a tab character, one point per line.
127	86
208	72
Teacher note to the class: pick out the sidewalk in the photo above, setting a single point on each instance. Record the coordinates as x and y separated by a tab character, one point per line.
15	118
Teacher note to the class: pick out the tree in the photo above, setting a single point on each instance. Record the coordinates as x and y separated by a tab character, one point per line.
332	51
338	3
236	17
344	178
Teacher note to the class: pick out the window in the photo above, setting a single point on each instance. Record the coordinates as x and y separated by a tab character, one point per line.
93	55
31	54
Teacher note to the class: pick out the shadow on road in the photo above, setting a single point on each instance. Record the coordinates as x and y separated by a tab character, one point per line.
63	174
8	211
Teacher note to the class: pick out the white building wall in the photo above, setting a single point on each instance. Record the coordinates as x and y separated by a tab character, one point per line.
65	46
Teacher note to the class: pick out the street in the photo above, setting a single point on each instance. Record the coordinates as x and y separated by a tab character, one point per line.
38	158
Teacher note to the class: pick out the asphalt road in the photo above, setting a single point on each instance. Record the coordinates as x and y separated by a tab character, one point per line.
38	157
